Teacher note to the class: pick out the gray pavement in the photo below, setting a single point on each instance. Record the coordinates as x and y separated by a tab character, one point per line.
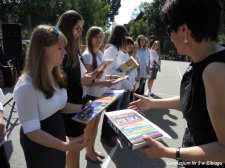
171	121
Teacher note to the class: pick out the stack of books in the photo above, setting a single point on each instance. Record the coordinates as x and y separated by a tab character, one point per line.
133	127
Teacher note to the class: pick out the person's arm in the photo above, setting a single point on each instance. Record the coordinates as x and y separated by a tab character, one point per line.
45	139
2	125
71	108
215	96
27	101
144	103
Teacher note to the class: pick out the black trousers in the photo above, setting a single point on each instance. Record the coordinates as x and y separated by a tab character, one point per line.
141	88
3	158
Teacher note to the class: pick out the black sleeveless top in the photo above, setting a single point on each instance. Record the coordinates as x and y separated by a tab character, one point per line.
193	102
74	88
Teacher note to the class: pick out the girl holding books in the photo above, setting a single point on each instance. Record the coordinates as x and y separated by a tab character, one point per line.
127	84
40	95
93	58
114	44
71	24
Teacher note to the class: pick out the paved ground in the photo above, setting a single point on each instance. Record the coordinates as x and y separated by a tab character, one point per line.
166	85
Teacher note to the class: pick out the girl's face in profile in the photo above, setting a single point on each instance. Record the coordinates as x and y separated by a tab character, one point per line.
55	54
78	28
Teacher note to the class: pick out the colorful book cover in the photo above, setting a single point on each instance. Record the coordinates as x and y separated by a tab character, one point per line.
128	66
97	106
133	127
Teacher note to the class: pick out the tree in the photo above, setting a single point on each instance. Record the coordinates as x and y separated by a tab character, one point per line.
30	13
114	8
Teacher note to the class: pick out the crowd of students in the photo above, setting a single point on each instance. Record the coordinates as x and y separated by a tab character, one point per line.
58	80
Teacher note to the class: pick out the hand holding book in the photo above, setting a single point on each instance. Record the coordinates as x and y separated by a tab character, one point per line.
100	69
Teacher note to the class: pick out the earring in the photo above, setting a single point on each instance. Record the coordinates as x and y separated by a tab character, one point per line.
185	40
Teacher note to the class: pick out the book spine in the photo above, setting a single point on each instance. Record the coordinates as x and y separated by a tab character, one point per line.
120	134
113	126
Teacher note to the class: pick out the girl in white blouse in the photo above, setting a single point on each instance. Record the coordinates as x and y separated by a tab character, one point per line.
93	58
40	95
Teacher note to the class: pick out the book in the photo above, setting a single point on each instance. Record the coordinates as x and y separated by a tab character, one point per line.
128	66
133	127
97	107
120	79
100	68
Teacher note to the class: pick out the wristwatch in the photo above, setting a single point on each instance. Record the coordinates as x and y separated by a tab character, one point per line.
178	154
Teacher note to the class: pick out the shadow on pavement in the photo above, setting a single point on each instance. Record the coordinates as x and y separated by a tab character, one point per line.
156	116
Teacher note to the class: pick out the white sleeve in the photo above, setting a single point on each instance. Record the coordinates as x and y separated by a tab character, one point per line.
83	70
1	99
110	53
27	106
127	84
87	58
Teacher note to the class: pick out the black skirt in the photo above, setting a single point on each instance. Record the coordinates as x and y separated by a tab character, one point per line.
38	156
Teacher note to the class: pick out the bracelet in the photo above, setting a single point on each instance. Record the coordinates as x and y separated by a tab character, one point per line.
178	154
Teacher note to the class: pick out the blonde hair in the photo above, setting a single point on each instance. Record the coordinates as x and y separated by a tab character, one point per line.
156	46
42	37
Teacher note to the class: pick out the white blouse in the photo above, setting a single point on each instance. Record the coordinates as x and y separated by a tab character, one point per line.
32	106
88	58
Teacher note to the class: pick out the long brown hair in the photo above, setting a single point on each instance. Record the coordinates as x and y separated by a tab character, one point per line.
35	64
91	33
66	23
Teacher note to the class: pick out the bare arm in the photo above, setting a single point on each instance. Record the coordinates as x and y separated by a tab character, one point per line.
214	79
2	127
143	103
45	139
71	108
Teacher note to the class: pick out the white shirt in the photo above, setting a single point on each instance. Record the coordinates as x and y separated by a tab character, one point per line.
143	56
112	54
32	106
1	99
88	58
126	84
154	56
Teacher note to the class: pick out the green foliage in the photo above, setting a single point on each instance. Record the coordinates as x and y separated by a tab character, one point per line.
30	13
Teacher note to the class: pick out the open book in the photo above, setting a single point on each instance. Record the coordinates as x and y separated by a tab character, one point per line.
120	79
100	68
132	127
128	66
97	106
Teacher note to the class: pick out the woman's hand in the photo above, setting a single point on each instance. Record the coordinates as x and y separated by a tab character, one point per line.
142	104
77	144
87	79
108	83
99	75
154	149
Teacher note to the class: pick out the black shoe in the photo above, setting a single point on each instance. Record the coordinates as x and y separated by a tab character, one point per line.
93	161
109	142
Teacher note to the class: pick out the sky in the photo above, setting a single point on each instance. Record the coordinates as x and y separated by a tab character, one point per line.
126	10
